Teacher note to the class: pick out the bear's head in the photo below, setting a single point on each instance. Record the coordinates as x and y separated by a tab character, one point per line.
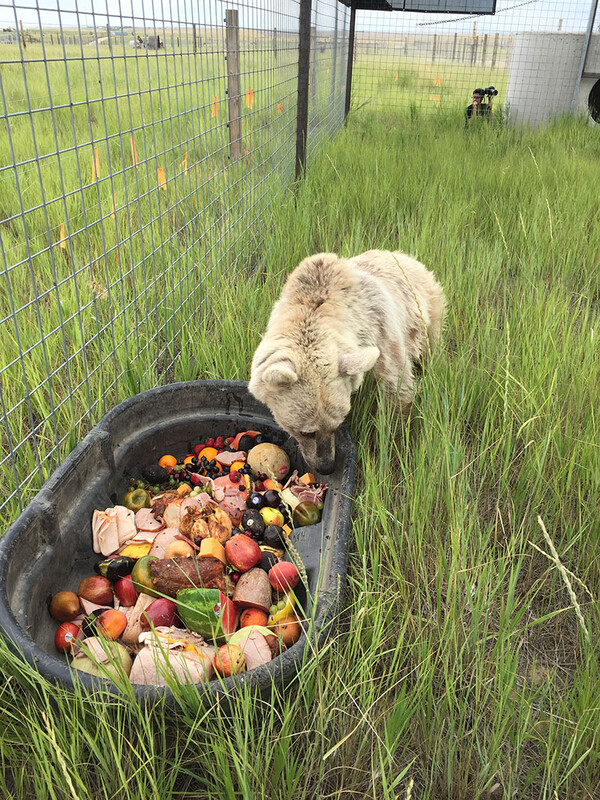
308	396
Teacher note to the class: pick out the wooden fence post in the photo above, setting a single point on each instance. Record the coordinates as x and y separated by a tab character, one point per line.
495	51
194	35
23	35
484	49
433	48
454	46
275	43
304	48
234	90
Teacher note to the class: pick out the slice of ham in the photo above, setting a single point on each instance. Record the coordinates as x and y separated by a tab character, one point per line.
255	647
125	524
146	521
169	652
134	619
95	647
163	540
88	606
232	500
314	494
111	528
227	458
105	532
190	502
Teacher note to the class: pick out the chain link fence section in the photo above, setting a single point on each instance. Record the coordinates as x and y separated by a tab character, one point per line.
142	148
530	51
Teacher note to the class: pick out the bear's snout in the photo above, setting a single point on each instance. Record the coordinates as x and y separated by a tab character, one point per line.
325	454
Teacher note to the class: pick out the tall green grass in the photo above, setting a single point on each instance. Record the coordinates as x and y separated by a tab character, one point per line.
465	664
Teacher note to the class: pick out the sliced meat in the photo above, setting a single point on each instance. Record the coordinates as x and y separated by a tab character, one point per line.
145	520
163	540
161	501
233	501
256	649
227	458
105	532
88	606
125	524
169	575
154	665
190	502
134	619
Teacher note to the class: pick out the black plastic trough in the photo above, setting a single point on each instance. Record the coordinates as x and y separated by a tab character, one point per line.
49	547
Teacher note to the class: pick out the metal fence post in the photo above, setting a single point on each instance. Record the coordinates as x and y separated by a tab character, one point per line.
234	91
303	79
350	59
313	62
334	68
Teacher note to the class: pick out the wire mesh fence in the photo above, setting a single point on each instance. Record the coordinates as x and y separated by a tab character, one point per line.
529	51
141	151
142	147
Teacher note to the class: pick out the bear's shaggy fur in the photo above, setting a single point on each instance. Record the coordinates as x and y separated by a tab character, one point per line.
336	319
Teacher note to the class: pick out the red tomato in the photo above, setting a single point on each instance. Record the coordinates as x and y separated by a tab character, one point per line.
65	634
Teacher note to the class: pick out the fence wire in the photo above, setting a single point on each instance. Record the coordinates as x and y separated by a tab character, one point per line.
142	146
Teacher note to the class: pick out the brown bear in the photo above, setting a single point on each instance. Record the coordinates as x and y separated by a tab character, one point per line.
336	319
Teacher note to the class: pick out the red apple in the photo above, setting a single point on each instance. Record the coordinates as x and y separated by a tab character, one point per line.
229	660
283	576
161	612
65	636
97	589
242	552
126	592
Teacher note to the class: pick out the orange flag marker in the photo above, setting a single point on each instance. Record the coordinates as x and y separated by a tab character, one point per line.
96	165
184	163
438	82
247	154
249	97
214	109
162	181
63	241
279	108
134	157
396	78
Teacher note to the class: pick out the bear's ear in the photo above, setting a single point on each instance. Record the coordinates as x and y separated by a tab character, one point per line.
358	361
282	373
